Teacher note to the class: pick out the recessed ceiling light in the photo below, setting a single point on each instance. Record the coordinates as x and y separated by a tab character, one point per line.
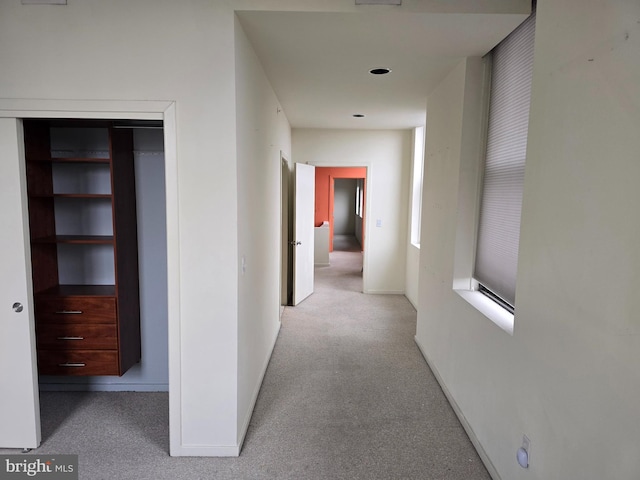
380	71
358	115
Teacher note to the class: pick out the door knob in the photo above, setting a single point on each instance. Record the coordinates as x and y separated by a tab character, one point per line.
17	307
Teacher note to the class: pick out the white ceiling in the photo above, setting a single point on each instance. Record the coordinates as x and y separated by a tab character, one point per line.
318	62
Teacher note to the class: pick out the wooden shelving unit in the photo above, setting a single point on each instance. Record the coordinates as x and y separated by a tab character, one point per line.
86	308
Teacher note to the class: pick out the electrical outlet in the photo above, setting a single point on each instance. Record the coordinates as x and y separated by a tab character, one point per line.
523	452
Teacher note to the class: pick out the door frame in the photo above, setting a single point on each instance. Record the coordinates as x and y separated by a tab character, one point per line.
286	227
332	197
133	110
367	224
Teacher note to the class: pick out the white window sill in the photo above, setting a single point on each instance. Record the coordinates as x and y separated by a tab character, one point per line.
490	309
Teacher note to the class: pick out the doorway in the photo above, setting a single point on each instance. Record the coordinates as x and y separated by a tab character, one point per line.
347	214
326	178
286	225
341	209
106	246
29	426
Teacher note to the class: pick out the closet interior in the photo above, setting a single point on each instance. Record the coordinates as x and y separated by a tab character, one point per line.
85	187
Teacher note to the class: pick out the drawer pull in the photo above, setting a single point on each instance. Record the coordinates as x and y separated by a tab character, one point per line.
70	338
69	312
68	364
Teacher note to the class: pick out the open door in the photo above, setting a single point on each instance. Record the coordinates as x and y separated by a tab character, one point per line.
20	412
303	239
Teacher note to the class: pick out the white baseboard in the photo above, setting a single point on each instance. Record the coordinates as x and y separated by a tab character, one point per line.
384	292
465	424
245	424
411	302
205	451
104	387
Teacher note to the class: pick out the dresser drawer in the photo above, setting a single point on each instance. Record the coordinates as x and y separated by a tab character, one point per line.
75	310
77	336
78	362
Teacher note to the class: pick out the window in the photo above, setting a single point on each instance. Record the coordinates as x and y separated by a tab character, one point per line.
416	190
499	224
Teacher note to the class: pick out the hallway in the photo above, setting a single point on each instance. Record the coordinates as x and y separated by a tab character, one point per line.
346	243
347	395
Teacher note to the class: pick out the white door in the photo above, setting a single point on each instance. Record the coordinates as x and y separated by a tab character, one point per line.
304	212
19	405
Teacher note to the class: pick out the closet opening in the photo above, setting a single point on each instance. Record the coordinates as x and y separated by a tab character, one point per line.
98	241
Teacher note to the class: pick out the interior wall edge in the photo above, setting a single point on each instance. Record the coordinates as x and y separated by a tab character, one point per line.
458	411
242	433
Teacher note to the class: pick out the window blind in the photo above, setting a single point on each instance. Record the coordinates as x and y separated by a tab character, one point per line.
501	202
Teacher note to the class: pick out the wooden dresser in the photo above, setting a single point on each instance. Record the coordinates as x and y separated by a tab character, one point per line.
84	246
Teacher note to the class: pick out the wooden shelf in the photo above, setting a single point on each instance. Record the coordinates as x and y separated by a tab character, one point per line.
82	195
70	195
80	160
70	160
79	291
77	239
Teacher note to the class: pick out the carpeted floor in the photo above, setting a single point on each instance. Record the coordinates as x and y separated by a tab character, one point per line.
347	395
346	243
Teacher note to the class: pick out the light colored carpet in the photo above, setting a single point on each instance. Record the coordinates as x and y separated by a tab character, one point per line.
347	395
346	243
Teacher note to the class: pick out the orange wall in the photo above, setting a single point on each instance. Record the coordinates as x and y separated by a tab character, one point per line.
323	197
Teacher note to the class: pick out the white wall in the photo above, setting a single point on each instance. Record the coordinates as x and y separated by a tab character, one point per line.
568	376
262	133
387	154
414	216
413	270
321	246
121	50
344	206
153	369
